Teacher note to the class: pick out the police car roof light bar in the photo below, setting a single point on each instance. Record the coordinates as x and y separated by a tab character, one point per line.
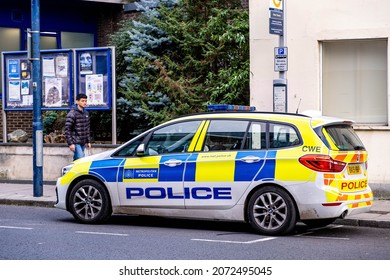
228	107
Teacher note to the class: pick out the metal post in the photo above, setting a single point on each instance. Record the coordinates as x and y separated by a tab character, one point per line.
278	27
37	100
113	117
282	44
282	38
4	115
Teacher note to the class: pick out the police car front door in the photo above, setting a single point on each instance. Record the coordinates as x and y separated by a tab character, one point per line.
155	179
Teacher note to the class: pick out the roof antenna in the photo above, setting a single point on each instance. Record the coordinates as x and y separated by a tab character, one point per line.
299	104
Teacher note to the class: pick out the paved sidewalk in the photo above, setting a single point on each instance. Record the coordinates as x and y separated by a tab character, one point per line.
23	194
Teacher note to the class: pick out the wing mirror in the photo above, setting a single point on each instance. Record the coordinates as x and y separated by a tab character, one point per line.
140	150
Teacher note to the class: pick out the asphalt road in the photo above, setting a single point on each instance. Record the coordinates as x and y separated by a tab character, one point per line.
35	233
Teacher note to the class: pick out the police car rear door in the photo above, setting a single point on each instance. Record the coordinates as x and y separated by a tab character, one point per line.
223	166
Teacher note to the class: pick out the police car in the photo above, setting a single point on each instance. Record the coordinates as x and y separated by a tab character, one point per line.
271	170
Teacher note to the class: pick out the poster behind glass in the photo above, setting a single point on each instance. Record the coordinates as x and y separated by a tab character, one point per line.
56	80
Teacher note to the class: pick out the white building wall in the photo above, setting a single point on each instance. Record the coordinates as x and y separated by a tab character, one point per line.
308	23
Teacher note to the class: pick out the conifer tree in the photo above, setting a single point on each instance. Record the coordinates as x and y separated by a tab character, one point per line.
178	56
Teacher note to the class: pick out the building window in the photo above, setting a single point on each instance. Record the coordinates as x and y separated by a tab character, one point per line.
48	42
10	41
77	40
354	80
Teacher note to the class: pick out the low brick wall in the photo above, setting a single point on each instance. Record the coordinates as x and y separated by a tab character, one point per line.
16	160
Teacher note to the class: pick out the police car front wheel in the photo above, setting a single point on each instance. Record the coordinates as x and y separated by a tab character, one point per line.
271	211
89	202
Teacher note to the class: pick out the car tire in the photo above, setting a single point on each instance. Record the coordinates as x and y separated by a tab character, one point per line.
271	211
319	222
89	202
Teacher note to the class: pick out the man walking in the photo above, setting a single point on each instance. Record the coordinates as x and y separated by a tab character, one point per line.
77	127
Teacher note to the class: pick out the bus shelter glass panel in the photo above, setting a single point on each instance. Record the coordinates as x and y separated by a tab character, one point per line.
94	76
56	79
56	74
17	81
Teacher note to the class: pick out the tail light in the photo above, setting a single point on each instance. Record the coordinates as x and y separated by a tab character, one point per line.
322	163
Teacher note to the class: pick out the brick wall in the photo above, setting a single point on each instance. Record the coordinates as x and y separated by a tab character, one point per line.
108	23
18	120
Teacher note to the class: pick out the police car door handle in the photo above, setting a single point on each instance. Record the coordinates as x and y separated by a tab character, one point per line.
173	162
250	159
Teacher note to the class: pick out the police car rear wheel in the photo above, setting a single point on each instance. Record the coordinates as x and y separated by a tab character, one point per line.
271	211
89	202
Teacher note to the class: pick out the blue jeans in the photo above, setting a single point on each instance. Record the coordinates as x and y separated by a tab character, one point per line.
78	151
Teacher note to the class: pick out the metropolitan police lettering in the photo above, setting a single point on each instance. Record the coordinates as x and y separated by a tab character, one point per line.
140	173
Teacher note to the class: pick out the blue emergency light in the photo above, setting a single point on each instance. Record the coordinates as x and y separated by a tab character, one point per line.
228	107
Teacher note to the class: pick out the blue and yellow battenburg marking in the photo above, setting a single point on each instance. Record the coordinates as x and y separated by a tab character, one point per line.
219	167
208	167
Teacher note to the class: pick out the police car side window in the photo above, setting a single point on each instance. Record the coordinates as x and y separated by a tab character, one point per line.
129	150
174	138
256	138
225	135
282	135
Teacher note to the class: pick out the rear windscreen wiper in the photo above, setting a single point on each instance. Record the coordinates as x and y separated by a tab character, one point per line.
359	148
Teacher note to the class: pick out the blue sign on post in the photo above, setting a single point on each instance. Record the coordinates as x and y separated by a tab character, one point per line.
276	26
280	59
276	17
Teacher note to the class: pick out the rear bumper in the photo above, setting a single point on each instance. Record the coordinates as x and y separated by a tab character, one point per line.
316	201
337	209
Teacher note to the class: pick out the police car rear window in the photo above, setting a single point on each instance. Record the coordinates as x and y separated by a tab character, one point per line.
344	137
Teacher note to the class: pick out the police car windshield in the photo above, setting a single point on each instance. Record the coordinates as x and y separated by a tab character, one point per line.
344	137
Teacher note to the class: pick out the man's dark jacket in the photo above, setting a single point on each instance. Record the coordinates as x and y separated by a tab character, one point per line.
77	127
